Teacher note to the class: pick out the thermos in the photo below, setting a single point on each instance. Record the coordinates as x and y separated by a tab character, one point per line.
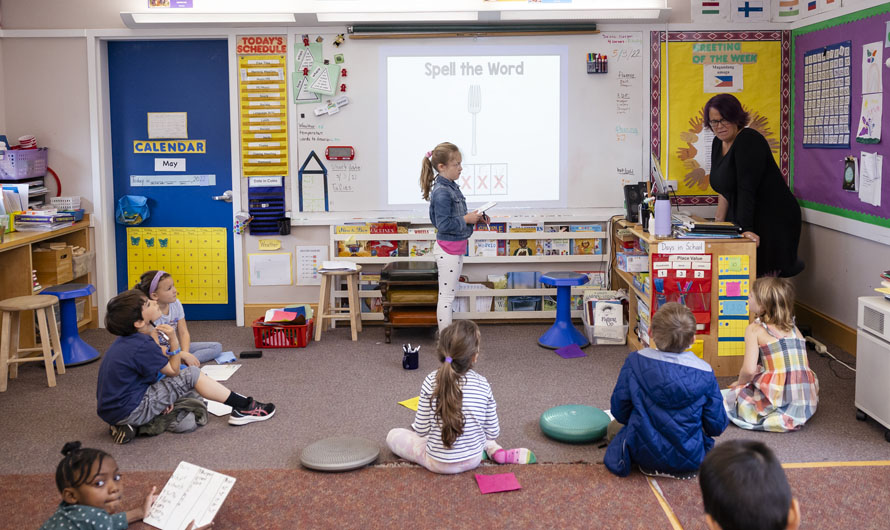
662	215
644	215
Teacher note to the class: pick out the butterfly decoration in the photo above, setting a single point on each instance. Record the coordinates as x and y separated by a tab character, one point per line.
163	242
150	242
134	240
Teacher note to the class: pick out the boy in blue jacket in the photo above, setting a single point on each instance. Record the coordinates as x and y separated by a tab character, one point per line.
668	401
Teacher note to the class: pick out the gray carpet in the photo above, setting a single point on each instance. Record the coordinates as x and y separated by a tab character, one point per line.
337	387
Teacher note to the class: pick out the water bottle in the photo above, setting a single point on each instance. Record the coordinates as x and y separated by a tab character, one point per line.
662	215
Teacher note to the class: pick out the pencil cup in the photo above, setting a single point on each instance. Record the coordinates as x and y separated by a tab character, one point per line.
410	358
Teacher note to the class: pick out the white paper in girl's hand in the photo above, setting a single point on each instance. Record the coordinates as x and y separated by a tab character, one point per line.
193	493
486	206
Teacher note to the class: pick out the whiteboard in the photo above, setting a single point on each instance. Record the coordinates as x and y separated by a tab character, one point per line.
603	143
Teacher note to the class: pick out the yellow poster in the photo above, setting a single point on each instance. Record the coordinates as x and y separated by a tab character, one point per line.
262	92
194	257
696	71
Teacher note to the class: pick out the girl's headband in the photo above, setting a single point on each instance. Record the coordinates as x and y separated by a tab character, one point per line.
154	282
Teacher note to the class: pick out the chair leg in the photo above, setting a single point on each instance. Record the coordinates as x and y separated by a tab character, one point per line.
45	344
353	310
322	306
358	300
56	342
4	350
14	330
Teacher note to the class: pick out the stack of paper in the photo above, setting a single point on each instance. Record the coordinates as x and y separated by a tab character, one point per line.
337	266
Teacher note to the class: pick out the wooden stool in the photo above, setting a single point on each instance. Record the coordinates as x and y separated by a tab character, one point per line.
10	309
353	313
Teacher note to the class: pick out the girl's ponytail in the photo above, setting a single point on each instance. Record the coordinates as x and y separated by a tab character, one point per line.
457	348
426	177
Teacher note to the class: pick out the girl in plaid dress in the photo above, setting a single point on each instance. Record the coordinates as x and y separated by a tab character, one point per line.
776	390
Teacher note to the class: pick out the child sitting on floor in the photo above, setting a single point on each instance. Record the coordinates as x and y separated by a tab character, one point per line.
776	390
743	486
129	393
159	286
92	487
457	416
668	401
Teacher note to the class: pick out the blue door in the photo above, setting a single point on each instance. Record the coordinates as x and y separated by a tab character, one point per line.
190	77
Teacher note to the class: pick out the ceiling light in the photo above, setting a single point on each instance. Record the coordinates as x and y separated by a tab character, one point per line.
588	14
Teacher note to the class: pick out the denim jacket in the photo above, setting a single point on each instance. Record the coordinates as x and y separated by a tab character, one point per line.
447	209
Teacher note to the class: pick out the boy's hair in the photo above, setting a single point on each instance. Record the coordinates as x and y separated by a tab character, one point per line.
123	311
441	154
145	280
673	327
775	296
743	486
74	469
460	342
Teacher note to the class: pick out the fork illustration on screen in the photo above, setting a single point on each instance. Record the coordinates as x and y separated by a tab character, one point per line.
474	106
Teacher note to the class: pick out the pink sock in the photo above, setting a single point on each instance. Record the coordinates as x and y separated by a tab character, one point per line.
514	456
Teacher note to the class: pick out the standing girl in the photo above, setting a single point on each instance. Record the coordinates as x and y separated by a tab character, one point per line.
457	417
780	393
159	285
448	213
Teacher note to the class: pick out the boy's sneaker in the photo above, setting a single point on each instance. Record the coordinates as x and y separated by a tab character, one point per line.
687	475
255	412
122	434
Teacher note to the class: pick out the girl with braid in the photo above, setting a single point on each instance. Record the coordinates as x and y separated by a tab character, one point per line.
457	416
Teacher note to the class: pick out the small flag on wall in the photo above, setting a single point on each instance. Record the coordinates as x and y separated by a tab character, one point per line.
787	11
710	10
828	5
750	11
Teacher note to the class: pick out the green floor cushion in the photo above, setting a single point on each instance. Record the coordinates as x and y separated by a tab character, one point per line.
575	423
339	454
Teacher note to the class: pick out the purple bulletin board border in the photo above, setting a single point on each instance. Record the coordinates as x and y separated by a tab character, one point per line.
658	37
816	176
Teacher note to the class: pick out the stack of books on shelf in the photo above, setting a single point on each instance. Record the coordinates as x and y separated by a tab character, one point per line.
43	220
644	321
587	246
35	283
684	227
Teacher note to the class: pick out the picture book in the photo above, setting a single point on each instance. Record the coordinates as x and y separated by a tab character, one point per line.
419	248
383	249
353	249
500	245
556	247
587	246
352	228
522	247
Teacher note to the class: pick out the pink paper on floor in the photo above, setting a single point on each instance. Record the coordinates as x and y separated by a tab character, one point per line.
497	483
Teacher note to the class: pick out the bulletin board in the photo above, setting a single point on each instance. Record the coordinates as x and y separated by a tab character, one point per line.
693	67
604	136
817	173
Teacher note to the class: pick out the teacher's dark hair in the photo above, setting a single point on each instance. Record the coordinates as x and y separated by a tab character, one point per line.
729	107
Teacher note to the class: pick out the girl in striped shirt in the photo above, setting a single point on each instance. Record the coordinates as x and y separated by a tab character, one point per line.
457	417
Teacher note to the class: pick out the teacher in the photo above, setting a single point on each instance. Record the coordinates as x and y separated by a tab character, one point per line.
752	192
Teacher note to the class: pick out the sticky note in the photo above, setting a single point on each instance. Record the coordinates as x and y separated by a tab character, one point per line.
733	289
497	483
411	403
733	263
570	352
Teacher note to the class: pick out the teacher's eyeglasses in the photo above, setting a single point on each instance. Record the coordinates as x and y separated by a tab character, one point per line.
718	123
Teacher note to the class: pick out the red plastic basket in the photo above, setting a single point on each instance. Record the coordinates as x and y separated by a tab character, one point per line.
284	336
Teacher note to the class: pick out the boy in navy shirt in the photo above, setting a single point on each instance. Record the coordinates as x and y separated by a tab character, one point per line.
668	402
129	393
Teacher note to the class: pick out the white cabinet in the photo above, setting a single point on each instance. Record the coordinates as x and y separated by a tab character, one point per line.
873	361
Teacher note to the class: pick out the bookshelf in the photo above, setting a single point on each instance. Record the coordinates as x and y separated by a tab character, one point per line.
477	268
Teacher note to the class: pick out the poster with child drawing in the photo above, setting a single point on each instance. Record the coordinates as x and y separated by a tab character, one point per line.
871	67
869	129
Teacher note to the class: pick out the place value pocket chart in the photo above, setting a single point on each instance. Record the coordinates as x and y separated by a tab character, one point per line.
732	318
826	97
262	90
194	257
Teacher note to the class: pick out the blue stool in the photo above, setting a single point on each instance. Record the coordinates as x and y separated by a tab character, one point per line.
563	332
74	350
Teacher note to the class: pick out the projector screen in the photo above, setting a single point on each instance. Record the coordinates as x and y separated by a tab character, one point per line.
503	106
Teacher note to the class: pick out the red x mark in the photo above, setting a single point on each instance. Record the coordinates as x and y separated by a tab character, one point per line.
482	184
466	182
499	182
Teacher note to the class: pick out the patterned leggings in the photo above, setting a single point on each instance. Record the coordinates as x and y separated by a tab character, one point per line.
409	445
449	266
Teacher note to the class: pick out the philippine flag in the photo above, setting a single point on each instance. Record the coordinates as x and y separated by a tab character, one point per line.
723	81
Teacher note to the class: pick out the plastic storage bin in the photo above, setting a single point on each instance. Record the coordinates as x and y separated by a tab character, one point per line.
66	203
284	336
19	164
524	303
604	334
83	264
